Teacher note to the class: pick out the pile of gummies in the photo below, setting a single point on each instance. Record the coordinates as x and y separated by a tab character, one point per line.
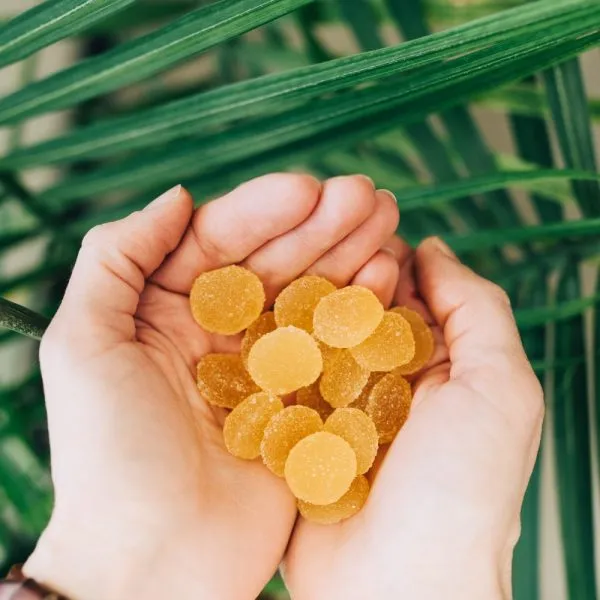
319	383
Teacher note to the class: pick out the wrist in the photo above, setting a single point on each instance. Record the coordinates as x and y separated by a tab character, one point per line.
83	563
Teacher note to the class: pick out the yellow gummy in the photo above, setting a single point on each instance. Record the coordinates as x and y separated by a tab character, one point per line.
343	378
389	405
285	360
424	342
347	317
245	425
361	401
320	468
296	304
344	508
284	431
392	344
311	396
358	429
227	300
223	380
263	325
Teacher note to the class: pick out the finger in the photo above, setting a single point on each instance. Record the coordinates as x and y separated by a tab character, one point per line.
399	248
344	260
345	203
478	325
112	267
227	230
380	275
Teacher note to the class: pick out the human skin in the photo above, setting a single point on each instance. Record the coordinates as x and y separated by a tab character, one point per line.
148	503
442	517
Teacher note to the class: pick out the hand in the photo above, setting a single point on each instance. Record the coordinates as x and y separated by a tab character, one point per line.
442	518
148	502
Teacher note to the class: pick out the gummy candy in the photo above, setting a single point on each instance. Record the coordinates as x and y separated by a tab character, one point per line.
227	300
311	396
296	304
284	431
424	342
392	344
344	508
343	378
245	425
223	380
320	468
361	401
285	360
263	325
347	317
358	429
389	405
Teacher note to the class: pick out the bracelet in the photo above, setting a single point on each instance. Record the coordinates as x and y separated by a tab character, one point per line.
17	586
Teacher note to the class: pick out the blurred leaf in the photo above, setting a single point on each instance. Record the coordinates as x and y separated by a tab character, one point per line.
570	112
138	59
262	95
22	320
420	197
49	22
539	315
419	96
570	418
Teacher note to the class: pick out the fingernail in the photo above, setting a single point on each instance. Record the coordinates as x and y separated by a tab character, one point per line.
366	178
164	198
388	251
388	193
443	248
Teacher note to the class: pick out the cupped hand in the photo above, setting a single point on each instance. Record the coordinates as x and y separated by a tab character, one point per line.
148	504
442	518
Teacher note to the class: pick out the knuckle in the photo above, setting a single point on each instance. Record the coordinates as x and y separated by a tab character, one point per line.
497	294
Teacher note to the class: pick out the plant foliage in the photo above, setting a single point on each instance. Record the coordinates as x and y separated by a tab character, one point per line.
267	87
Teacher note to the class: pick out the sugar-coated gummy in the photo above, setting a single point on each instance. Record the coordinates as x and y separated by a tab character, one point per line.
227	300
296	304
285	360
358	429
389	405
284	431
245	425
320	468
424	342
391	345
311	396
263	325
223	380
347	316
344	508
361	401
343	378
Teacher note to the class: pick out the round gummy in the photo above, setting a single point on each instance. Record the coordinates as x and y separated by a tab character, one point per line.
389	405
361	401
245	425
344	508
227	300
347	317
358	429
223	380
343	378
263	325
296	304
392	344
311	396
285	360
284	431
320	468
424	342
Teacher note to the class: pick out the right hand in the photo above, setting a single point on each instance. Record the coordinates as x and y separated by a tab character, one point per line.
442	518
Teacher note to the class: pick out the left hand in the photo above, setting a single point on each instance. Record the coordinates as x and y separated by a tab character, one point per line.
148	502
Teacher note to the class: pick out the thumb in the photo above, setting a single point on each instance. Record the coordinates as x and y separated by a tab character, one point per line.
113	264
478	325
